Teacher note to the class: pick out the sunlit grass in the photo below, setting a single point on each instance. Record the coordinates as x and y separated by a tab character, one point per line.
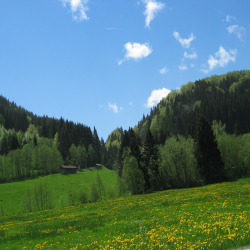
210	217
12	194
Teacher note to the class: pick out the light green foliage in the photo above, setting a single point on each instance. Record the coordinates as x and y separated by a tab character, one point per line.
74	155
83	196
132	175
94	194
78	156
126	152
45	141
198	104
100	187
235	85
82	156
29	120
29	161
235	153
114	139
56	141
218	128
187	87
219	89
154	126
121	186
38	198
136	130
72	196
177	163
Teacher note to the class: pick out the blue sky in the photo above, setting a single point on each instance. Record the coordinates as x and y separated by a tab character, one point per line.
106	63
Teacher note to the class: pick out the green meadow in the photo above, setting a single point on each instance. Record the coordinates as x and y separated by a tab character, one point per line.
12	194
210	217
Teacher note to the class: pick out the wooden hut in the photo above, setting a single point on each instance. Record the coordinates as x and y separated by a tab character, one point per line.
68	169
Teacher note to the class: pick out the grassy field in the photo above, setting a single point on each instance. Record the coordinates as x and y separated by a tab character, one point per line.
210	217
12	194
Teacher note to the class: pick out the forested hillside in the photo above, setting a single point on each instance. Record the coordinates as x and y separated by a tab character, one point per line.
224	100
31	145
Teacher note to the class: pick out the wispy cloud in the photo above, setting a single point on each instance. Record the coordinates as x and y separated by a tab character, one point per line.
185	43
190	56
136	51
221	59
78	8
156	97
112	29
236	30
228	18
152	7
164	70
182	67
114	107
131	103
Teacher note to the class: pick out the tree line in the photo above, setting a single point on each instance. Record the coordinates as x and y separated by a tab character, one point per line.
210	156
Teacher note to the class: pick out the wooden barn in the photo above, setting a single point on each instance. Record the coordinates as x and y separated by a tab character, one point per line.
68	169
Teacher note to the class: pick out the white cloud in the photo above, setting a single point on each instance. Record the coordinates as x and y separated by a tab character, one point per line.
221	59
164	70
185	43
131	103
136	51
152	7
114	107
156	97
236	30
230	17
183	67
191	56
192	65
78	8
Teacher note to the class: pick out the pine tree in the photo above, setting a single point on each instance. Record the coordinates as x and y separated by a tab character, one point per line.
208	156
97	146
237	129
150	167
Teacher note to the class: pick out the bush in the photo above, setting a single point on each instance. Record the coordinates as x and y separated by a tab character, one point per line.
178	164
132	175
94	194
83	197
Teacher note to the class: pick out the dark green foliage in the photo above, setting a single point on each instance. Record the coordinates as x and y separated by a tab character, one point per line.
237	129
2	120
207	154
150	165
19	119
224	98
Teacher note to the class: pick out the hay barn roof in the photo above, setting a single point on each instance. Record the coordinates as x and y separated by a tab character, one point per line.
66	167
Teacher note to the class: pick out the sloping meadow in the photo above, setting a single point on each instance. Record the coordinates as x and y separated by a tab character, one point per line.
210	217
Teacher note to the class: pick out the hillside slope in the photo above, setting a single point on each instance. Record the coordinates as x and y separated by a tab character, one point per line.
224	98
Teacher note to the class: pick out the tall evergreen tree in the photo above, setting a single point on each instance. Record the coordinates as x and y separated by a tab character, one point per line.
150	167
97	146
237	129
208	156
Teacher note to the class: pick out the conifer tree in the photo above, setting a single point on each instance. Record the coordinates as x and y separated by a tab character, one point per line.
150	165
208	156
237	129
